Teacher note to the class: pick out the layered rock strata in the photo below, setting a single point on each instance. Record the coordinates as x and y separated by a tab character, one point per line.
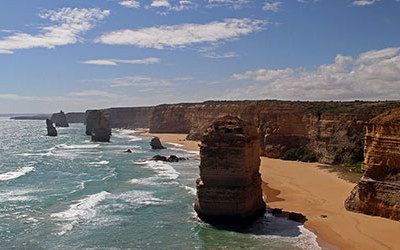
229	187
101	131
378	192
60	119
51	130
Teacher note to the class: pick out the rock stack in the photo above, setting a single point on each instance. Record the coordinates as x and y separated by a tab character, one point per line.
51	130
60	119
378	192
155	143
229	187
101	131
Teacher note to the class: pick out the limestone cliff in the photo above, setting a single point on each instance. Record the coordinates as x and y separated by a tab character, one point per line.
60	119
101	131
75	117
229	188
378	192
332	130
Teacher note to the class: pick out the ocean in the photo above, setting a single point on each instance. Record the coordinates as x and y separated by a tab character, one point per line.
67	192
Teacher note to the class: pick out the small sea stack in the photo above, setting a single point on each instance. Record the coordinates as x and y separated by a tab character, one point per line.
60	119
51	130
101	131
229	187
155	143
378	192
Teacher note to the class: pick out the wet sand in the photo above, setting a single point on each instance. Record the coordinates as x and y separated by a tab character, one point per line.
319	195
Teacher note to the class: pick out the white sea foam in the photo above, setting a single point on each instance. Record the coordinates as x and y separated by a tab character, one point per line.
16	174
99	163
127	134
163	170
190	190
175	144
78	146
139	198
149	181
83	210
18	195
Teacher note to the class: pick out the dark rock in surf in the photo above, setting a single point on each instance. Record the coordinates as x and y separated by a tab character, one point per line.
51	130
155	143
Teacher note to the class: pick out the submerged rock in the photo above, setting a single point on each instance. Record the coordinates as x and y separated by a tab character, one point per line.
229	187
101	131
378	192
155	143
51	130
60	119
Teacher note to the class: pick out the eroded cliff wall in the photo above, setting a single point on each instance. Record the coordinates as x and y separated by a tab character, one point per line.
332	130
138	117
378	192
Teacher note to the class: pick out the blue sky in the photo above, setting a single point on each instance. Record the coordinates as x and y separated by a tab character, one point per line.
81	54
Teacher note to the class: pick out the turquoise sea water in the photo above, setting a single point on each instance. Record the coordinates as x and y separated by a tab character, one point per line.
69	193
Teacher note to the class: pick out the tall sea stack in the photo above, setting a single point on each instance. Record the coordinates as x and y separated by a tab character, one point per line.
229	187
378	192
60	119
101	131
51	130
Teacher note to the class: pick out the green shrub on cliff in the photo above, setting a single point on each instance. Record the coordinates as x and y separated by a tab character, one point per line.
299	154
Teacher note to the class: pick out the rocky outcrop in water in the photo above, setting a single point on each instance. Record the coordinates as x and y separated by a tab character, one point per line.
51	130
60	119
171	158
101	130
229	187
155	143
378	192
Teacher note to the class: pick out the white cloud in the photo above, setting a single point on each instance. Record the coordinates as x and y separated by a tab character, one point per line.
160	3
272	6
364	2
130	4
71	23
115	62
178	36
144	81
86	93
236	4
374	75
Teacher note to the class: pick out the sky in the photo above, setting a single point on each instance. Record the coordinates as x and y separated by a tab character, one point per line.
83	54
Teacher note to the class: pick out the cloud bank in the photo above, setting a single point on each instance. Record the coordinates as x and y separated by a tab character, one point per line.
70	24
183	35
373	75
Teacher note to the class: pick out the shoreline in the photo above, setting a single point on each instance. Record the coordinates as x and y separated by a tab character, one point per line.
319	195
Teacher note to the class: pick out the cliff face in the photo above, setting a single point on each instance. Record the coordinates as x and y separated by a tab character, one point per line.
378	192
75	117
229	188
130	117
59	119
332	130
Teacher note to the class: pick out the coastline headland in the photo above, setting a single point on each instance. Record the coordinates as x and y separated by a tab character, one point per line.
328	132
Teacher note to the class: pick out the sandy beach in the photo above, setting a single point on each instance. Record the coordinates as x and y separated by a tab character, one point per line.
319	195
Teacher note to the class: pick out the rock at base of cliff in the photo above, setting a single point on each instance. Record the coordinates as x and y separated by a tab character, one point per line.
51	130
155	143
171	158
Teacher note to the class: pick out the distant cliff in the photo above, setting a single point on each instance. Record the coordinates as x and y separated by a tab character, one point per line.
75	117
333	131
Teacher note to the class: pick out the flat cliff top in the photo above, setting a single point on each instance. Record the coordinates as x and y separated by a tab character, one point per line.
391	117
